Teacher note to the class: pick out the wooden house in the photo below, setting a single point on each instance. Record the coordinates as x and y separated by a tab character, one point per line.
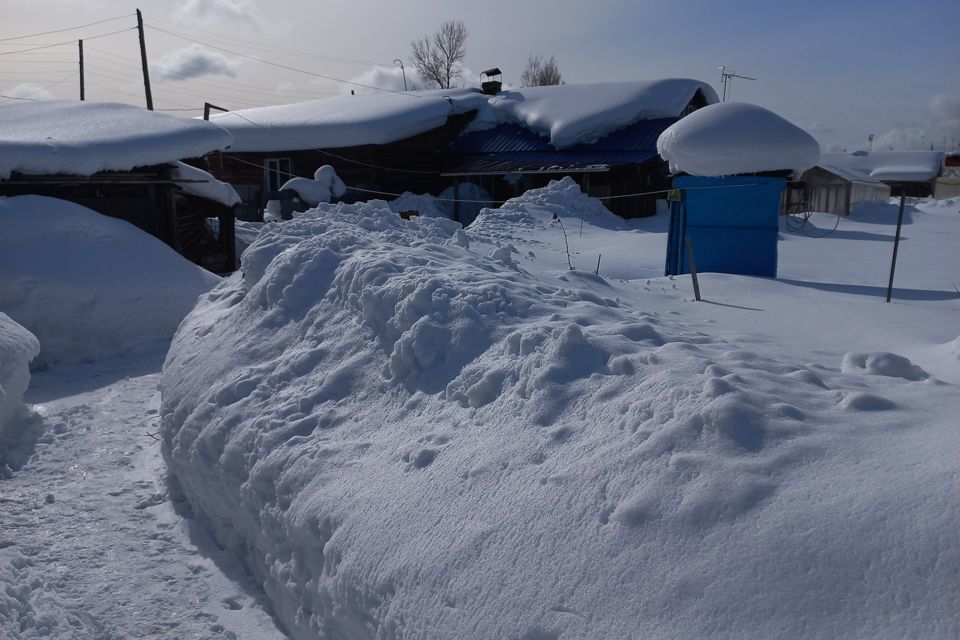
124	162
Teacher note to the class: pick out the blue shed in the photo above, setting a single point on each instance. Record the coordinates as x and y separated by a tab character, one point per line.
732	223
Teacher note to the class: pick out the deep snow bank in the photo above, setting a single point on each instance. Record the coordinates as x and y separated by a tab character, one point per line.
17	348
87	285
410	431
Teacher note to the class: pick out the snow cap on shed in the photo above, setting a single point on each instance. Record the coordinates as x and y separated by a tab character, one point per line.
736	138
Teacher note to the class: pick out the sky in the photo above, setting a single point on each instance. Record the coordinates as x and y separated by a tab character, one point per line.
842	70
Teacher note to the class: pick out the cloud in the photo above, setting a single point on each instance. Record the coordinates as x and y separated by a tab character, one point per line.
28	90
391	78
209	11
193	62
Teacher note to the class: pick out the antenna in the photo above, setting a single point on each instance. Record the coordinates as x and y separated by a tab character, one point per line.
728	77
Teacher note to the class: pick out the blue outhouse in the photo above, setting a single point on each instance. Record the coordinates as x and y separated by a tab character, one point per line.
732	223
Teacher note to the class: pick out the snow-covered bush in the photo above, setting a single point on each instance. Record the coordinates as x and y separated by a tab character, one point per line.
17	348
325	186
407	431
87	285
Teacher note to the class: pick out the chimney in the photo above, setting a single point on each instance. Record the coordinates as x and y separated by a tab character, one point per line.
492	85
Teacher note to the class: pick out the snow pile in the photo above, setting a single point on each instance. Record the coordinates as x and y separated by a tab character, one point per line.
87	285
202	184
910	166
733	138
584	113
325	186
82	138
472	199
17	348
412	430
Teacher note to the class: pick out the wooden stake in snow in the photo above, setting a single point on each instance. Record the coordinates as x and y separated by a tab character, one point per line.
693	268
896	245
597	272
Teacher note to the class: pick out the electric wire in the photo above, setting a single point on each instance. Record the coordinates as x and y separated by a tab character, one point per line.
89	24
66	42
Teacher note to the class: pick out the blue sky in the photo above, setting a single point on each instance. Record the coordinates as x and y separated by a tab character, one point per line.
843	70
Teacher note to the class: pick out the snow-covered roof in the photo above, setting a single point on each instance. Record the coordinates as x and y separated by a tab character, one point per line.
583	113
82	138
566	114
733	138
202	184
889	166
343	121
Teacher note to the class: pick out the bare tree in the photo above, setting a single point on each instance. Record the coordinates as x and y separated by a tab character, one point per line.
438	58
541	72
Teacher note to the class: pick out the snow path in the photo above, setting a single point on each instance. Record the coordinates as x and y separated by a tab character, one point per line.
90	545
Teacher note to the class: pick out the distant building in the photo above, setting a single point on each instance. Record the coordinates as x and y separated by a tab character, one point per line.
948	184
913	173
836	190
124	162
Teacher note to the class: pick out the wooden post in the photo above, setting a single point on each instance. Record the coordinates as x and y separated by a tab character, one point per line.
896	244
143	63
456	201
82	94
208	106
693	268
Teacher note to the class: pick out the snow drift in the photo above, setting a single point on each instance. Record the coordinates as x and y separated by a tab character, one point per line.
325	186
17	348
408	429
733	137
87	285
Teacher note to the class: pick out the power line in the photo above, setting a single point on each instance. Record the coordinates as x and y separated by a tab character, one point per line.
65	42
281	65
44	33
271	48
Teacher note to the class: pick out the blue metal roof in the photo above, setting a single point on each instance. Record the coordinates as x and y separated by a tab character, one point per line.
511	148
506	138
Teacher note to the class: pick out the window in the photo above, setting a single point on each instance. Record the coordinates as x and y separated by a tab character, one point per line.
276	171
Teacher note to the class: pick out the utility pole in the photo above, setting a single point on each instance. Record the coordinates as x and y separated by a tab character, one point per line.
143	62
728	77
82	95
403	71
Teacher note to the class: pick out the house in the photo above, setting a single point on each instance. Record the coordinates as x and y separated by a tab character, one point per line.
832	189
912	173
124	162
506	141
377	143
601	135
948	184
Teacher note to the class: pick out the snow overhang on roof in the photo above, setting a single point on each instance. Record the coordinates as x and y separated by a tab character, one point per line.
573	114
83	138
888	166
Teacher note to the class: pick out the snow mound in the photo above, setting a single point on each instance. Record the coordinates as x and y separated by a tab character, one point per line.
473	199
82	138
732	138
87	285
325	186
883	364
404	434
17	348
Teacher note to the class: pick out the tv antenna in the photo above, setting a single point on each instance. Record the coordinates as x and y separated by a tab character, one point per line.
728	77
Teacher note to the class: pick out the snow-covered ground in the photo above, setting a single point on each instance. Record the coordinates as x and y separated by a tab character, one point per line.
91	547
404	429
411	430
